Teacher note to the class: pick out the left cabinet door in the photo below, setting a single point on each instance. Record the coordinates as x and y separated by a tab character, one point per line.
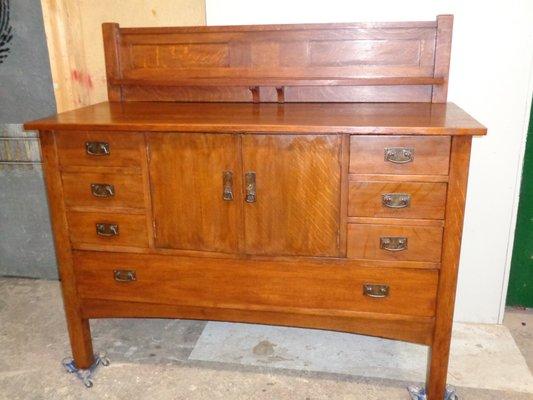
195	184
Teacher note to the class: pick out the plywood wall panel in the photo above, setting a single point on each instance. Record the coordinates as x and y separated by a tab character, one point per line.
74	36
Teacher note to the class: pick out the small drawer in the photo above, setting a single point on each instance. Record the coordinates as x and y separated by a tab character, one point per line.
99	148
114	229
103	190
399	155
397	199
394	243
260	284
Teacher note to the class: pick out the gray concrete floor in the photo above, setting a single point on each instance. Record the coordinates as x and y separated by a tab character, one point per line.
150	360
519	321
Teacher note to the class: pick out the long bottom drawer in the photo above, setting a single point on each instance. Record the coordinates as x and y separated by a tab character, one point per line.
255	284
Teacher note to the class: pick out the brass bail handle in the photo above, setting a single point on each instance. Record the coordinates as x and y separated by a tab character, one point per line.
251	195
102	190
227	185
106	230
124	275
396	200
393	243
399	155
97	148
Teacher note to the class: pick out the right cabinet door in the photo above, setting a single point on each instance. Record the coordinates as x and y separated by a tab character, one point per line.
292	192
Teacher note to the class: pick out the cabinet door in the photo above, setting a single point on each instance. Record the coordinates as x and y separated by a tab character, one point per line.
187	185
297	206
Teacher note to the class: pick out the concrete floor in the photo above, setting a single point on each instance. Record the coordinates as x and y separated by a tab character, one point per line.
151	359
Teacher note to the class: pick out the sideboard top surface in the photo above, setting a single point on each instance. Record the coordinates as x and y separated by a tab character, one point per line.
354	118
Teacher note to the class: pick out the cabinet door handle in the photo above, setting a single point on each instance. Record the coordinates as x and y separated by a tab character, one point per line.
376	291
393	243
97	148
227	183
399	155
102	190
124	275
251	195
396	200
106	230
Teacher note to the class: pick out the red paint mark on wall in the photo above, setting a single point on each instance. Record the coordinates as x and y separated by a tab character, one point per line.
82	78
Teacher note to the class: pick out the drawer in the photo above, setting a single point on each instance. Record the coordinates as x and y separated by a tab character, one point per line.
402	243
399	155
109	148
253	284
103	190
132	229
397	199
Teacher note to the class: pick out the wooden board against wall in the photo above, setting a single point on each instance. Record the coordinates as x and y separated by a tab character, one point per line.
75	44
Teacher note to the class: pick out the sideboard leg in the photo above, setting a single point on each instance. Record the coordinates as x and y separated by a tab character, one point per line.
438	369
80	342
78	328
439	353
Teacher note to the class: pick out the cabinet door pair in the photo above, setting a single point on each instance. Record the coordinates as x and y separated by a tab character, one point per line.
254	194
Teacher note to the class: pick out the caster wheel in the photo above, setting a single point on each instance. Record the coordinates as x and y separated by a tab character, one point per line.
88	383
105	361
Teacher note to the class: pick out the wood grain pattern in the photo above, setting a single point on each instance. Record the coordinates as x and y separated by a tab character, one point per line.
396	178
443	49
396	221
382	57
453	229
344	194
424	242
129	191
82	228
111	36
125	149
427	200
298	194
186	185
78	327
392	326
300	254
255	285
324	118
431	155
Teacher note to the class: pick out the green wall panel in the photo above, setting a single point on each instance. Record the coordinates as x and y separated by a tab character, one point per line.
520	292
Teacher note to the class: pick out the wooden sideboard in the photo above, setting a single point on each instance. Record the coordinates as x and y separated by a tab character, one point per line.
298	175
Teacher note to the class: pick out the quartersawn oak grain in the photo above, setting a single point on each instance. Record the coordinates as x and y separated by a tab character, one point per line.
430	155
186	176
344	92
439	353
423	242
399	327
298	182
427	200
124	149
128	190
318	118
132	229
321	287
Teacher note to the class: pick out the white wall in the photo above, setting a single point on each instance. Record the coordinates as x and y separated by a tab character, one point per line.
490	77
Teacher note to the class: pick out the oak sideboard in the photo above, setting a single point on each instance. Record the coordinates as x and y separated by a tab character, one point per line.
299	175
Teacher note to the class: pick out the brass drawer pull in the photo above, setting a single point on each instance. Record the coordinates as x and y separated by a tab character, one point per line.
102	190
97	148
393	243
396	200
376	291
227	181
124	275
399	155
251	195
106	230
